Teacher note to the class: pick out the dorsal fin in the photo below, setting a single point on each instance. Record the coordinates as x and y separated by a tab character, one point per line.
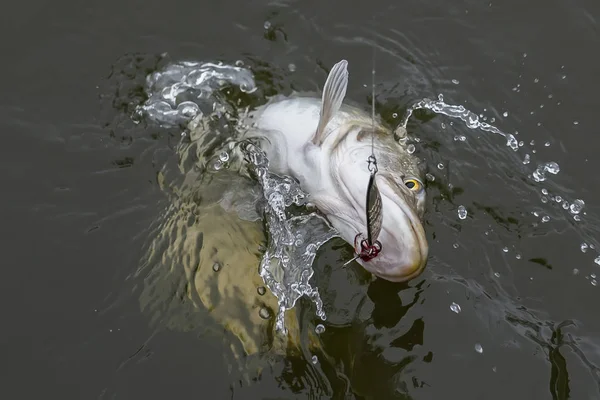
334	92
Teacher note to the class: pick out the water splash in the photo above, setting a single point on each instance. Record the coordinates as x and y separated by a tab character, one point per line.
286	267
473	121
176	92
175	97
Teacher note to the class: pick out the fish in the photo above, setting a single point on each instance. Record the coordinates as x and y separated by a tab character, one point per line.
326	144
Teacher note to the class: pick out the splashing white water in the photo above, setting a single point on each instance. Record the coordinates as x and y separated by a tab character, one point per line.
286	267
175	92
473	121
174	98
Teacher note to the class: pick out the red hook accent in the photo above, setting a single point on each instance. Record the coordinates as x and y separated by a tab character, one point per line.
367	251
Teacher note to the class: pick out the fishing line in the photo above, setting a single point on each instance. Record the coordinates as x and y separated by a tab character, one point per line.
370	247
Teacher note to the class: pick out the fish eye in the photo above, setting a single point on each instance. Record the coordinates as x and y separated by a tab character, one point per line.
413	184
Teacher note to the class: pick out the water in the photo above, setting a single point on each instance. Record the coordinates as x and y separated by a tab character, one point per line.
113	223
462	212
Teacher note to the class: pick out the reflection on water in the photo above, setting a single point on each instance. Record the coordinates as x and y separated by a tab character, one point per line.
229	219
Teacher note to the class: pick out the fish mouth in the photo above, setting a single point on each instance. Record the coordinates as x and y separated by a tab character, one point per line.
406	237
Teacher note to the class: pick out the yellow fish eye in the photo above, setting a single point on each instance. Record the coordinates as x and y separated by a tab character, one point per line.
413	184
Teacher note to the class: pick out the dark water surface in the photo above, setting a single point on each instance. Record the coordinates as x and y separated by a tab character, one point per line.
80	197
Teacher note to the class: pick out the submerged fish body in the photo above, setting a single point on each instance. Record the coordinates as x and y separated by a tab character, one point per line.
325	145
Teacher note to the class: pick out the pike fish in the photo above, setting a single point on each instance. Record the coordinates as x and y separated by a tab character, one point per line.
326	144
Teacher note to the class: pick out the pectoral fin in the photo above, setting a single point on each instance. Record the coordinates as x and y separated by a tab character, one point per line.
333	96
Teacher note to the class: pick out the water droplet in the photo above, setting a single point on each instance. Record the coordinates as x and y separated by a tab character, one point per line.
429	177
547	144
497	274
511	142
597	260
505	249
494	369
518	256
319	329
395	115
536	80
524	55
544	199
224	156
576	206
292	67
440	166
455	245
577	218
527	159
247	87
410	148
558	199
315	359
593	276
216	267
261	290
545	191
584	247
267	25
593	282
564	77
264	313
462	212
455	81
239	63
575	271
545	218
478	348
505	114
455	307
539	173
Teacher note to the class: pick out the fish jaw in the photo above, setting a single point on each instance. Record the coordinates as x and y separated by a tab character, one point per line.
404	247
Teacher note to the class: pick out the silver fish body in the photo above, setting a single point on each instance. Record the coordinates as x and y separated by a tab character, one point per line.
325	145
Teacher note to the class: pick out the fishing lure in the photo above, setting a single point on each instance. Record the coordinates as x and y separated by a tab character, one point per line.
371	247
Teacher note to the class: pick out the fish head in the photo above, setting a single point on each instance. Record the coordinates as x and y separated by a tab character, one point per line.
402	244
404	248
